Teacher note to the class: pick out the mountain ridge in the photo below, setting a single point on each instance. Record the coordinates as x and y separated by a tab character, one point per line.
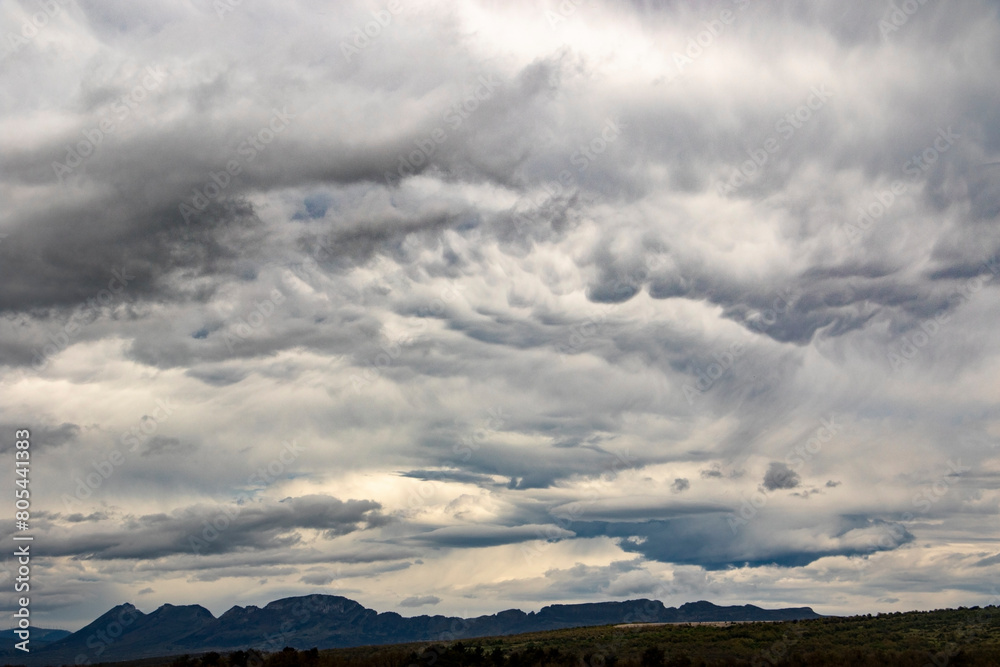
331	621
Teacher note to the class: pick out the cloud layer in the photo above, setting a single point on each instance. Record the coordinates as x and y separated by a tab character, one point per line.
476	306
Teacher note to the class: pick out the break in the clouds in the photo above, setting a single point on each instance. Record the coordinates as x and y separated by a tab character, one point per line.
595	299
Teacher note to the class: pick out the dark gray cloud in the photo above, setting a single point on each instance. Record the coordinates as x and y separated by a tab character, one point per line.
709	541
42	436
159	446
482	536
215	530
780	476
419	601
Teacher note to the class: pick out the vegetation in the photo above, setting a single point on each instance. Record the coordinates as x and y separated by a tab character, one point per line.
954	637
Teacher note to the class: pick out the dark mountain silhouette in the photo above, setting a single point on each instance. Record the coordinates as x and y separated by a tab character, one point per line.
329	621
39	636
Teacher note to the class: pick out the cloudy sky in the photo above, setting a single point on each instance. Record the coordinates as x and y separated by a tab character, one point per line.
457	307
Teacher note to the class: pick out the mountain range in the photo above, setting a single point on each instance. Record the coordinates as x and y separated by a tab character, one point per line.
329	621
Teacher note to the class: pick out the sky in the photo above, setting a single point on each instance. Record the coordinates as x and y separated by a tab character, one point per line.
450	308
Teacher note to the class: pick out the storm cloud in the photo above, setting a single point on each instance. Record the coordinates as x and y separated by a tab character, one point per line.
595	299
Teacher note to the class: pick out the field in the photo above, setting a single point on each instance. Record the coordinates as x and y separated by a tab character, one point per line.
938	638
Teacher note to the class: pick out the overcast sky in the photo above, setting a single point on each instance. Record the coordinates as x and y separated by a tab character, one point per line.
457	307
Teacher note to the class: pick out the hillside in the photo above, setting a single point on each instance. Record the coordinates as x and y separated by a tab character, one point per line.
954	637
327	621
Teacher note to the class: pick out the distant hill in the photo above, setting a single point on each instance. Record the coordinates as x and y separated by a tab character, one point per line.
941	638
328	621
39	636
